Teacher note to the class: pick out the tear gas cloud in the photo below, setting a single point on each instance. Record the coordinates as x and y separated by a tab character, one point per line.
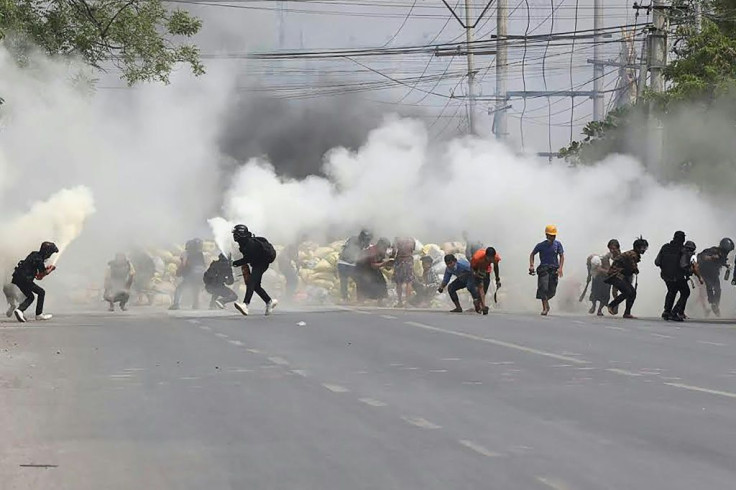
400	183
151	158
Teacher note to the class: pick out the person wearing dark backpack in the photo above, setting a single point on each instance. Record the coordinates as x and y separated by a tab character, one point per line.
258	255
216	279
710	262
669	260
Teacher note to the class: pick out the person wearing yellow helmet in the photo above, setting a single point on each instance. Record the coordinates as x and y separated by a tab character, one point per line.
551	261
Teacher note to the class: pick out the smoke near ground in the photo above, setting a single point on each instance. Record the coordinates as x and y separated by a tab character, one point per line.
152	158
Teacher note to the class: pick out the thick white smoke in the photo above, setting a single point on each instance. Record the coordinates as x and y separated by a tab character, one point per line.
399	183
60	219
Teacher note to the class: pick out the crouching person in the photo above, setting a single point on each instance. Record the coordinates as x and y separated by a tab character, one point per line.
464	278
118	281
29	269
217	278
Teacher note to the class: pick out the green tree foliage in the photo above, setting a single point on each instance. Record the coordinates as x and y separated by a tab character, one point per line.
140	37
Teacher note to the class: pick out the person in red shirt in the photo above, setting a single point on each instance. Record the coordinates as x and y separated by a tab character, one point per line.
483	262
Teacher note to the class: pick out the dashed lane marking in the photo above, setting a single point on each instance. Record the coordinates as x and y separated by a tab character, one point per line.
479	449
499	343
193	321
727	394
438	370
222	335
253	351
279	360
335	388
611	327
622	371
299	372
420	422
205	328
719	344
553	483
372	402
661	336
388	317
236	342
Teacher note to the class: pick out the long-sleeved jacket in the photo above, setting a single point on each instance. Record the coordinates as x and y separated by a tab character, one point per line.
625	265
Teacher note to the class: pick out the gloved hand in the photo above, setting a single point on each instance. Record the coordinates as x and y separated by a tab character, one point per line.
440	289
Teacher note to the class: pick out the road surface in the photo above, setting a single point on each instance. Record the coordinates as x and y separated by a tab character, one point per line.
366	399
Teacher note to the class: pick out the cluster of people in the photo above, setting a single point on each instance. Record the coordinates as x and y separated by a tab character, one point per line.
362	262
612	276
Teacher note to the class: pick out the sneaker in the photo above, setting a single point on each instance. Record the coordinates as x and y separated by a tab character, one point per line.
19	315
173	307
486	310
10	311
219	304
271	305
44	316
124	307
457	309
629	316
242	308
666	316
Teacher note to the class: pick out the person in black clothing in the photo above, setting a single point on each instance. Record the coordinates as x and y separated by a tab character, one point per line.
145	271
31	268
349	255
620	275
191	270
217	278
710	262
669	261
258	253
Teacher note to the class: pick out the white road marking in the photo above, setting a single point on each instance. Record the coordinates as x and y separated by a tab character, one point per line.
241	370
193	321
409	368
622	371
500	363
221	335
449	358
561	365
500	343
479	449
388	317
299	372
205	328
420	422
611	327
253	351
279	360
372	402
586	368
395	364
134	369
335	388
361	312
187	378
661	336
438	370
727	394
120	376
711	343
472	382
551	483
236	342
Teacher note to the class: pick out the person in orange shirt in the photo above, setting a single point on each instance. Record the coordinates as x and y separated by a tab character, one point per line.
483	262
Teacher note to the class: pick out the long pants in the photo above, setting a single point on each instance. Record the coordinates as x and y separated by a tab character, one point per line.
462	283
191	284
292	279
29	288
345	272
712	279
673	287
221	292
254	284
626	293
121	297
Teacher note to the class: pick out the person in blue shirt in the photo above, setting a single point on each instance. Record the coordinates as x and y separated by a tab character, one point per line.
551	261
460	268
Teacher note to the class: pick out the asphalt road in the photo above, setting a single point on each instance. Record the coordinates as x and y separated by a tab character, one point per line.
372	399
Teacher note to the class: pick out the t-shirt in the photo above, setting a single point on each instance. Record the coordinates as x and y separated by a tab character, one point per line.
480	255
549	252
404	248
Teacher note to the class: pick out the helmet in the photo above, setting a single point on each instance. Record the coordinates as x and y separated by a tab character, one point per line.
551	230
679	236
726	244
365	237
48	249
240	232
690	245
641	245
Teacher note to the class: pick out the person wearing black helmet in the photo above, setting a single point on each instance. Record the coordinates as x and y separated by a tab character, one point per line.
31	268
349	255
620	276
669	261
191	269
710	262
216	279
258	255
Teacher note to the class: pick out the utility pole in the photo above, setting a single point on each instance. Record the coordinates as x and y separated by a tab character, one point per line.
502	11
643	69
658	45
598	69
469	28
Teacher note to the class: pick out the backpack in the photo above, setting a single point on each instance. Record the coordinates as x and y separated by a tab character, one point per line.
269	253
